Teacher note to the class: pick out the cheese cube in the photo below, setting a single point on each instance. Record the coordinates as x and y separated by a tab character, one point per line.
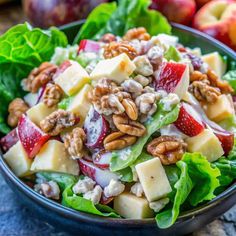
207	144
132	207
73	78
215	62
117	69
220	110
18	160
80	104
38	112
153	179
53	157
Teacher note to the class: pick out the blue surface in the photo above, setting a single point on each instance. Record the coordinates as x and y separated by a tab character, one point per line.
15	219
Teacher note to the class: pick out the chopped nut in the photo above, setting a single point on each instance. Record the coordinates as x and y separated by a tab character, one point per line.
108	38
48	189
94	195
155	56
39	77
132	86
137	190
168	148
52	95
118	140
224	86
114	188
143	66
144	81
56	122
204	92
197	76
74	143
137	33
16	109
114	49
127	126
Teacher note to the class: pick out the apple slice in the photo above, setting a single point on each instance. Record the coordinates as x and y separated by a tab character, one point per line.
189	121
64	65
9	140
96	129
31	136
88	46
173	78
102	159
102	177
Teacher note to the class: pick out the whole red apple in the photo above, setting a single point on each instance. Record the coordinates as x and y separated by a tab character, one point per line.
179	11
218	19
200	3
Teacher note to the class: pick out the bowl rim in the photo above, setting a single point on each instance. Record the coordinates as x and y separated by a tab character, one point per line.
99	220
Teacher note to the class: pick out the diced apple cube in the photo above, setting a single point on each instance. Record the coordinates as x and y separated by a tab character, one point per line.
18	160
38	112
215	62
153	179
53	157
73	78
80	104
207	144
132	207
221	109
117	69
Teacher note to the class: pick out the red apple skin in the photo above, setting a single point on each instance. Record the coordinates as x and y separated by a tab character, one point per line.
201	3
179	11
9	140
224	29
88	46
31	136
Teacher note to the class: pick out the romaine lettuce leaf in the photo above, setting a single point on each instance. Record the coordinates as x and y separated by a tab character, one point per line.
23	48
108	18
172	54
126	157
230	76
69	199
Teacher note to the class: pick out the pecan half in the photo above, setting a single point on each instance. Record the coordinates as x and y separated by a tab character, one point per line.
137	33
168	148
16	109
130	108
39	76
197	76
74	142
56	122
204	92
118	140
108	38
114	49
127	126
52	95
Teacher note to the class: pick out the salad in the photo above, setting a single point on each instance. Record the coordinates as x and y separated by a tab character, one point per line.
126	122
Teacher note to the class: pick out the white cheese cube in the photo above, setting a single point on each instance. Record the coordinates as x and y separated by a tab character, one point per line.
53	157
153	179
73	78
215	62
80	104
18	160
38	112
117	69
132	207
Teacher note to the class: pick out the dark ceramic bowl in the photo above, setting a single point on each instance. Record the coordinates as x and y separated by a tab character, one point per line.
79	223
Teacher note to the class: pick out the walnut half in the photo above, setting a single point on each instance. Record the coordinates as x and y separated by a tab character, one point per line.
168	148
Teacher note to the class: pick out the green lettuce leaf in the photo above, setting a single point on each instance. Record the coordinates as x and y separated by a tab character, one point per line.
126	175
109	18
69	199
231	78
96	21
23	48
126	157
182	189
63	180
172	54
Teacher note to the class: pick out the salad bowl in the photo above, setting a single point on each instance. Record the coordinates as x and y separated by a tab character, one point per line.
80	223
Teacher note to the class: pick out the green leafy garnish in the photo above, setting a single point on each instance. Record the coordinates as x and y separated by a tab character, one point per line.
126	157
231	78
69	199
23	48
172	54
109	18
